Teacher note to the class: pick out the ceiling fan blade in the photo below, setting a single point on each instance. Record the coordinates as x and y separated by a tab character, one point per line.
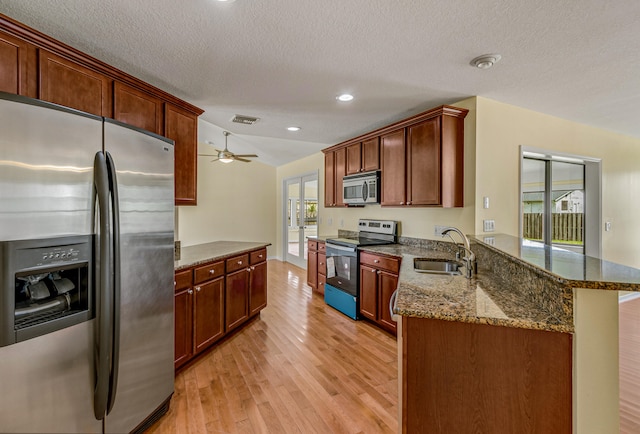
215	159
207	155
241	159
246	155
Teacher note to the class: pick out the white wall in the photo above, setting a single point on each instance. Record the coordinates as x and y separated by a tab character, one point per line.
502	128
236	201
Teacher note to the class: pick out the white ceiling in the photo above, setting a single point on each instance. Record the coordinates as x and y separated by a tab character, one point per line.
284	61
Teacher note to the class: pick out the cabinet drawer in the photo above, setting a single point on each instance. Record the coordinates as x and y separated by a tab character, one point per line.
258	256
237	263
321	246
313	245
182	280
208	272
380	262
322	264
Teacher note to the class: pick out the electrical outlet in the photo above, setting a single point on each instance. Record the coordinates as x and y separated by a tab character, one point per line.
490	240
438	230
489	225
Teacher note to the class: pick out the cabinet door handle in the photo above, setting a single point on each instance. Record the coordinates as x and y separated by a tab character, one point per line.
321	263
378	271
198	288
373	271
401	203
212	271
190	291
409	203
260	255
239	262
248	269
175	283
376	261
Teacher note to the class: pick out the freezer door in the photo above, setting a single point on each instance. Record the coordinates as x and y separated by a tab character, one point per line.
47	383
144	170
46	169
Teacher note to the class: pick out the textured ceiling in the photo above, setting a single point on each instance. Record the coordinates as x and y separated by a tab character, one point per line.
284	61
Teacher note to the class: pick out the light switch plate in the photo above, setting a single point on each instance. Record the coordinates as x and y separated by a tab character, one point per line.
489	225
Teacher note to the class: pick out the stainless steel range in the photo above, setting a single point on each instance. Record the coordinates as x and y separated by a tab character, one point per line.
342	290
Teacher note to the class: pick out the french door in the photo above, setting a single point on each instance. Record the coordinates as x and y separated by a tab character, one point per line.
300	216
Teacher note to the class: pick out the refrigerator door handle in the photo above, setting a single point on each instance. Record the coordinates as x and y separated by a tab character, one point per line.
115	267
104	300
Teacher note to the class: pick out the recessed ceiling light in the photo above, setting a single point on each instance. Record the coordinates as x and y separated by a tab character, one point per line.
486	61
344	97
293	128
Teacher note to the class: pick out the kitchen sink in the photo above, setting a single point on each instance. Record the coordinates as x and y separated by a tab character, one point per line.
436	266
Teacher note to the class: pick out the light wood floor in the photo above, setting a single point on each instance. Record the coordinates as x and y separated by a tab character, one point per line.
301	367
630	367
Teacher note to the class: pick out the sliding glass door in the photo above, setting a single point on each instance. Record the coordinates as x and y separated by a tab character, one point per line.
553	202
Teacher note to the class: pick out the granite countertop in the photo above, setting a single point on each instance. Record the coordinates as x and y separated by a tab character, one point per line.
217	250
572	269
484	299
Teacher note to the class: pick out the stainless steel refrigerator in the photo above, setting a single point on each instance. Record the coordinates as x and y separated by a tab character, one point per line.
86	268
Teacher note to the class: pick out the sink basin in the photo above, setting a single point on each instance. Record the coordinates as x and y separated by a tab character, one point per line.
436	266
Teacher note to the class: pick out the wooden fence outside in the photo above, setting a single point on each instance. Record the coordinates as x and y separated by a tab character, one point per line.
566	226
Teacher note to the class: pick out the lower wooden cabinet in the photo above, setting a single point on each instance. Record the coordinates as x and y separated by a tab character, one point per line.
378	281
183	313
237	298
316	266
208	313
216	298
460	377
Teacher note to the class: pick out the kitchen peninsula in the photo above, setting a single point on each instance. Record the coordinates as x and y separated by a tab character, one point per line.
529	344
219	286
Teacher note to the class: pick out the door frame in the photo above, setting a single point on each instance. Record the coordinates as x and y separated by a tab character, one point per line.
308	176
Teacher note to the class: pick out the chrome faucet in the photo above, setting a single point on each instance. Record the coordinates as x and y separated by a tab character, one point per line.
469	257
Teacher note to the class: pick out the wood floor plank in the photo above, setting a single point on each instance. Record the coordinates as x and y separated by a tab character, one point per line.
300	367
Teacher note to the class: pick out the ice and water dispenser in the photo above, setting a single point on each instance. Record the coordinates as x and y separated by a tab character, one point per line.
46	286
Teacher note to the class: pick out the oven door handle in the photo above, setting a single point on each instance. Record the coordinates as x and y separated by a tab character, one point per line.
342	248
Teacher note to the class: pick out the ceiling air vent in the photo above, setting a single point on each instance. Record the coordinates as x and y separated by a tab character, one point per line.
247	120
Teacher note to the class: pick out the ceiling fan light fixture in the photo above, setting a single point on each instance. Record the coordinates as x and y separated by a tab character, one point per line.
225	160
485	61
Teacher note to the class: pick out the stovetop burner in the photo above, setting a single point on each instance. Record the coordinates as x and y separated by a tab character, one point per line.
372	232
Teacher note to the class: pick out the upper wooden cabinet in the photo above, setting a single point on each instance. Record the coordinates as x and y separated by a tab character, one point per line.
363	157
335	164
421	159
15	75
36	65
72	85
393	150
182	127
137	108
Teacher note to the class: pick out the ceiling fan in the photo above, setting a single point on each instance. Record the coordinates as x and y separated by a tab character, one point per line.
226	156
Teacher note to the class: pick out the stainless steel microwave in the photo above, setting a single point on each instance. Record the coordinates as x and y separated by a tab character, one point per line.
361	188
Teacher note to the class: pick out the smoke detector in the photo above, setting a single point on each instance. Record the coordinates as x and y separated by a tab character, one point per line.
247	120
486	61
